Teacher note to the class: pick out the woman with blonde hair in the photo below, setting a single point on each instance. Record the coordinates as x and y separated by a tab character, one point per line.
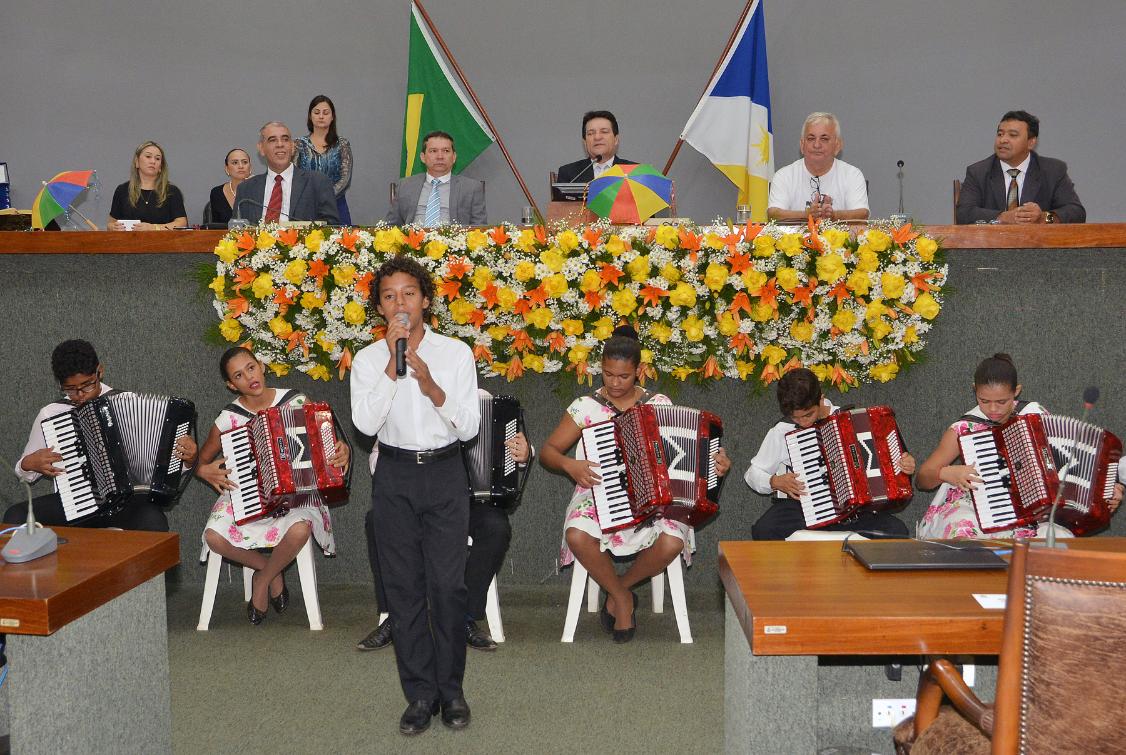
147	201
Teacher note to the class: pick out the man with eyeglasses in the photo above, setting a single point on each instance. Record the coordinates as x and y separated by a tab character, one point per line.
819	185
76	367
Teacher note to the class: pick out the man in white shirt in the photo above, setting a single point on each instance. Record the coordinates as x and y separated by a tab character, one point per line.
819	185
420	504
284	192
438	197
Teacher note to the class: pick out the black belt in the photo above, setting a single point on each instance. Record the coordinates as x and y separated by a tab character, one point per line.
419	457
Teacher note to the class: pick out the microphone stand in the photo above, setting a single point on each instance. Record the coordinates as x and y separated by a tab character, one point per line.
31	542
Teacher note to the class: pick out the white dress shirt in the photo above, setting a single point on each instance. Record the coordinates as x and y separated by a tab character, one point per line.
35	440
396	411
287	187
773	457
1005	177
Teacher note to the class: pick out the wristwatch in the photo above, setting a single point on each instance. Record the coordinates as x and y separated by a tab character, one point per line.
1050	217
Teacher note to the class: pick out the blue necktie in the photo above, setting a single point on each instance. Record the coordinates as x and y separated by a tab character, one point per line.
433	204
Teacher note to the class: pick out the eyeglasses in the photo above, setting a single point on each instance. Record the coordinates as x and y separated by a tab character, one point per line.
815	184
82	390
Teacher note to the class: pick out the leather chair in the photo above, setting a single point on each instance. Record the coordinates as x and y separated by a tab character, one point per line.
957	194
1061	683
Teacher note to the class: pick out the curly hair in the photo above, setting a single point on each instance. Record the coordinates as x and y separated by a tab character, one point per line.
403	264
74	357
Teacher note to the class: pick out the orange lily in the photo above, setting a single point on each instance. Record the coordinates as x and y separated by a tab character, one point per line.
237	306
538	296
318	270
738	262
521	341
582	372
499	236
652	294
284	299
864	347
840	292
458	266
610	274
415	238
378	331
647	372
752	230
921	281
793	364
839	375
522	306
287	236
363	284
592	236
477	318
804	294
343	364
770	374
348	239
903	234
295	339
593	299
769	292
731	239
740	302
245	243
905	308
740	342
652	234
244	276
481	353
814	241
556	341
489	294
541	234
515	369
711	369
450	289
691	242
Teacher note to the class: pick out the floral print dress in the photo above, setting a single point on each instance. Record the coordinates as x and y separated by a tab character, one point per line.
952	514
267	531
581	512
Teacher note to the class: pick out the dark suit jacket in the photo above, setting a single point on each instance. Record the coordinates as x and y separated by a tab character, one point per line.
310	198
581	170
467	200
1047	184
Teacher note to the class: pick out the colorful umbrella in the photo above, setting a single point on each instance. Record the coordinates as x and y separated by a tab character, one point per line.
58	195
629	193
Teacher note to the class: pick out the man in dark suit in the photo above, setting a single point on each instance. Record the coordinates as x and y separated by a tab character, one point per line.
284	191
438	197
600	140
1017	185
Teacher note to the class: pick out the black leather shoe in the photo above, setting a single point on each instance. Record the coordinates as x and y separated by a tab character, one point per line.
416	718
606	619
281	602
477	638
254	614
379	638
455	713
622	636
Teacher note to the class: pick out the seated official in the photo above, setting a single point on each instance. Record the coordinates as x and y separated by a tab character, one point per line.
76	367
437	197
819	185
147	196
222	202
600	140
284	192
1016	185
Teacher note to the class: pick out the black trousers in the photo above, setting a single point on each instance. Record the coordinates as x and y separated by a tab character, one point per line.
422	522
784	518
491	530
137	515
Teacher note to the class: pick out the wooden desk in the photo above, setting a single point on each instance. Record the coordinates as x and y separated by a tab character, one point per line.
88	644
809	630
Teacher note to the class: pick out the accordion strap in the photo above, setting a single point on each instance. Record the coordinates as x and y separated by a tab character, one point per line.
645	397
287	396
1018	408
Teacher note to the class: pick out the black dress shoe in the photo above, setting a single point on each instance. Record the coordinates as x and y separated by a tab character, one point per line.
606	619
254	614
281	602
379	638
622	636
416	718
477	638
455	713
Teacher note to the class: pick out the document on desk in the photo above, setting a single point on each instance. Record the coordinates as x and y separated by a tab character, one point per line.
990	600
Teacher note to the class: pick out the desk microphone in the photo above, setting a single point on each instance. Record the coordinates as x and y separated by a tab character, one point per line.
401	347
899	164
30	542
238	210
1090	397
597	159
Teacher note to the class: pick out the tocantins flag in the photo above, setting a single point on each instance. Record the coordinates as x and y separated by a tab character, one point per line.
436	102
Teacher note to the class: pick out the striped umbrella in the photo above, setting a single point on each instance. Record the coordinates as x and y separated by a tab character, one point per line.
629	193
58	196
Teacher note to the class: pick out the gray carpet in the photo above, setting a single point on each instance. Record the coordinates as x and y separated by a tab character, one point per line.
280	688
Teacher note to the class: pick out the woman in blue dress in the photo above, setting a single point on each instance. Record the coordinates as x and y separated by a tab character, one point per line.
322	150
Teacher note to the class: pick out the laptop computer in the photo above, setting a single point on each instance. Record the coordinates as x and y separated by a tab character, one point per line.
900	555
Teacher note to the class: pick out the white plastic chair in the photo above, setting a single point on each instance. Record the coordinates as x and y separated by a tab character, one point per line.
492	612
581	581
306	569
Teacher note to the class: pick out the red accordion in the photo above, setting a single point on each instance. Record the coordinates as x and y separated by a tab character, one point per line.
655	460
847	462
279	460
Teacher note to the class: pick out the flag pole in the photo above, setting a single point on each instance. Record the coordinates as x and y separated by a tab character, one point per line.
480	107
718	63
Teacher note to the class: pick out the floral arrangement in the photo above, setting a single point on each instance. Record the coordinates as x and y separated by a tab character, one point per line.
711	302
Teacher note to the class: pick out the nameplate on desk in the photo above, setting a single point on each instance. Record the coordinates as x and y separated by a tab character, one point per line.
9	623
774	629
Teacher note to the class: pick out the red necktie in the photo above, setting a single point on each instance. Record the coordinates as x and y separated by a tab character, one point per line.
273	209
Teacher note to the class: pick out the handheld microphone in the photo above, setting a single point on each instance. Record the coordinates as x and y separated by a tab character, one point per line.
401	347
1090	397
899	164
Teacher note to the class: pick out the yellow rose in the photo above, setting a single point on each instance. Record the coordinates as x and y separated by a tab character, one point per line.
554	259
822	371
670	272
263	286
858	283
526	241
893	285
295	272
218	284
867	261
279	369
646	356
326	345
788	278
764	245
568	241
875	310
555	285
344	275
790	244
693	328
668	237
497	332
754	279
884	372
761	311
482	276
540	317
388	240
603	328
460	309
533	362
682	373
615	245
878	240
314	239
728	324
925	246
713	241
836	238
227	250
506	297
910	335
624	302
475	240
230	329
745	369
661	331
684	295
830	268
354	313
280	327
572	327
879	329
265	241
309	300
715	276
525	271
638	268
773	354
435	249
802	331
319	372
578	353
590	281
844	320
926	306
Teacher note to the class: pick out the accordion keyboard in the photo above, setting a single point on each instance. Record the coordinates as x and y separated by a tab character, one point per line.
74	488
